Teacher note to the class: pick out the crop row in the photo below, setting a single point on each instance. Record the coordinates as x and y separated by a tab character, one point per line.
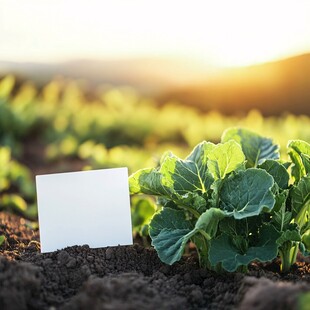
52	128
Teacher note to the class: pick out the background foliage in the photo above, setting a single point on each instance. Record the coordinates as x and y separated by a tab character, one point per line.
63	127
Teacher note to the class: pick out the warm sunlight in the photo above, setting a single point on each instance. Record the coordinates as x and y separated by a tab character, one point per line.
255	33
221	33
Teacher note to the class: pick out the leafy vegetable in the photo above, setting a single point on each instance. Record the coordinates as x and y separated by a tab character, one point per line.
299	152
247	193
277	171
141	214
256	148
224	250
225	158
233	200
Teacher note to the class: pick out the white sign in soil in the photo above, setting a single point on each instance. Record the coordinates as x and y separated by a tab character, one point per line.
87	207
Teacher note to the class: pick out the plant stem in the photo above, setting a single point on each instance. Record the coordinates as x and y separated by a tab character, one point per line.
294	252
285	261
243	269
288	254
202	250
202	246
205	234
217	190
191	210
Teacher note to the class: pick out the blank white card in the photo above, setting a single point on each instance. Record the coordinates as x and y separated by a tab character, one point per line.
87	207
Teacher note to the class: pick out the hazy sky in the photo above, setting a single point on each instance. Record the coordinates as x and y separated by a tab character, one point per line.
231	32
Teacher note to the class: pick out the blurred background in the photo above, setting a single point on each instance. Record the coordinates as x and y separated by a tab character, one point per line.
96	84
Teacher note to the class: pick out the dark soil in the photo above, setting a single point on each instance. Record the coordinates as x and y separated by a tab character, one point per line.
131	277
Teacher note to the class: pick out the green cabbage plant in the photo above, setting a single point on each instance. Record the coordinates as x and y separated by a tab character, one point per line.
237	201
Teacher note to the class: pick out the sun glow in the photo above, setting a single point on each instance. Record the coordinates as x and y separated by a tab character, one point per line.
260	32
222	33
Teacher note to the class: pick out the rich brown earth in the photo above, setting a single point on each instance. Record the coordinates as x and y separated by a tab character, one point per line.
131	277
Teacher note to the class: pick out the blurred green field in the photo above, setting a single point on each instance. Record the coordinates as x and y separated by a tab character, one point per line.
62	128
